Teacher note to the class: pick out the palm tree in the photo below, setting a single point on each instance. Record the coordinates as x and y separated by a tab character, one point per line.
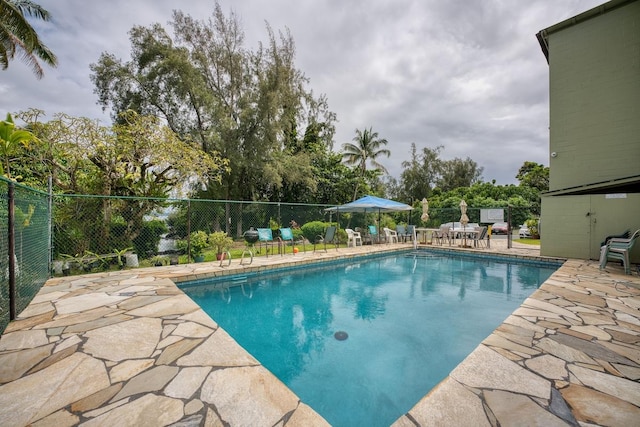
366	149
17	35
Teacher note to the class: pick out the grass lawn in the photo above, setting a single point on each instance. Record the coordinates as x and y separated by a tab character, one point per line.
535	242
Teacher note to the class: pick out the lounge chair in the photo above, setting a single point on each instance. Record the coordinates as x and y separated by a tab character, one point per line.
286	235
390	235
330	237
618	249
265	238
353	237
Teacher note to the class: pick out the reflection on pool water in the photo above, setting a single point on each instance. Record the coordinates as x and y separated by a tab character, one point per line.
408	322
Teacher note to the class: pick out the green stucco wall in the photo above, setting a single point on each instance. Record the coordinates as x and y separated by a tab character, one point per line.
594	69
594	95
574	226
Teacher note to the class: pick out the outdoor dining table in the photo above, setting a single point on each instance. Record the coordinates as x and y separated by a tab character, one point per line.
465	234
424	232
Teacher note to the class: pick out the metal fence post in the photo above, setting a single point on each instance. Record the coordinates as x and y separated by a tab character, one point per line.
509	234
50	224
11	251
188	229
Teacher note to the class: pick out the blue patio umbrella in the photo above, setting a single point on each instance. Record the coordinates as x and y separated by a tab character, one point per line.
369	204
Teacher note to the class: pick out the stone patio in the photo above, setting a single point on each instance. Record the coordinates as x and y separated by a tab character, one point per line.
130	349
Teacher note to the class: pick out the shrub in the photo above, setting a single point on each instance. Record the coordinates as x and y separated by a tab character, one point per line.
198	240
532	224
220	241
146	243
297	234
311	230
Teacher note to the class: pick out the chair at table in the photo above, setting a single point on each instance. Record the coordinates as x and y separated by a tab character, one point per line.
443	234
353	237
618	249
390	235
411	232
480	237
286	235
265	239
330	236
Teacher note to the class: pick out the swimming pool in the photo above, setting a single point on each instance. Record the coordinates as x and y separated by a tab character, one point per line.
409	321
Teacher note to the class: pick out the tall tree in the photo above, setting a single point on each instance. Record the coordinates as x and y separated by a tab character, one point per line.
367	149
421	173
458	173
534	175
247	105
18	36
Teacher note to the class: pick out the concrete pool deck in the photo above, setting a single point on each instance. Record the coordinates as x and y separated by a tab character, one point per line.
129	348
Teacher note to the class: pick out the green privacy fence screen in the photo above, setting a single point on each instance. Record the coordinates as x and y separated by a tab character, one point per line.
24	246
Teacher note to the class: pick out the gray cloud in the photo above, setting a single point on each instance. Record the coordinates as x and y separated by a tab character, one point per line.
466	75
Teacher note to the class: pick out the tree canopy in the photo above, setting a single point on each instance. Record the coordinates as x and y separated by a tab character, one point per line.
534	175
18	36
250	106
426	171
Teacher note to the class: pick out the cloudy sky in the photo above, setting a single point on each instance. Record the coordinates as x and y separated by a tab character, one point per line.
465	74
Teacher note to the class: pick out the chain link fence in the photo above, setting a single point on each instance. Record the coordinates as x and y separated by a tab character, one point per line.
44	235
24	247
514	215
93	233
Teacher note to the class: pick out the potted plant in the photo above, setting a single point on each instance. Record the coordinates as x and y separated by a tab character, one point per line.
221	242
198	242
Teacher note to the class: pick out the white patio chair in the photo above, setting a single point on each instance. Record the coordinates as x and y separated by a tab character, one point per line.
390	235
353	237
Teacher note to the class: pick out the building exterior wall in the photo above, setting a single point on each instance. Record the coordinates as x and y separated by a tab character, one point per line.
594	83
575	226
594	103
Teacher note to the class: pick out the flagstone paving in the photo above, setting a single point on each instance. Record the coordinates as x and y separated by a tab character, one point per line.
130	348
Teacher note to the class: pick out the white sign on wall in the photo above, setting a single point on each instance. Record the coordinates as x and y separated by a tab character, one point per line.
491	215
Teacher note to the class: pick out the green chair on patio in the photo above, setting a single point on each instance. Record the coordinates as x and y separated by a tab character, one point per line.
373	233
618	249
265	239
286	235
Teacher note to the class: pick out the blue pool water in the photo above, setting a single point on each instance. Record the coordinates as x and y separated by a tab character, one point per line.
409	321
